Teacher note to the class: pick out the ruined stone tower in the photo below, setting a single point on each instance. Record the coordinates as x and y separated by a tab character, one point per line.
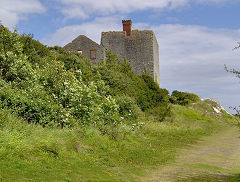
139	47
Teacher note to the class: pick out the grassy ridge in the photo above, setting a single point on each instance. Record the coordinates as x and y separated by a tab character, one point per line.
30	152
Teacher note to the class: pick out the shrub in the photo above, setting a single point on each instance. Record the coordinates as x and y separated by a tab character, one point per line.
14	66
74	61
121	79
33	48
128	108
155	96
35	110
161	112
183	98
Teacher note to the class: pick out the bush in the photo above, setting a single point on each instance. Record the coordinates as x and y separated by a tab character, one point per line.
74	61
121	79
14	65
33	48
38	110
45	85
183	98
128	108
154	95
161	112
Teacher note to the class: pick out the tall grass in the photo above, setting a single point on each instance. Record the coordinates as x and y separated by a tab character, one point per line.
30	152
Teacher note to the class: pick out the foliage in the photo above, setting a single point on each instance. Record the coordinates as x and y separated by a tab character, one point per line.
121	79
14	66
38	110
161	112
128	108
183	98
237	47
43	88
237	74
29	151
54	87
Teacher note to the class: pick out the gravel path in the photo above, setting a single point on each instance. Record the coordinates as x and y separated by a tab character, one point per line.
214	158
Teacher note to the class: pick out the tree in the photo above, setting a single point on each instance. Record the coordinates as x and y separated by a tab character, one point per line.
237	46
237	74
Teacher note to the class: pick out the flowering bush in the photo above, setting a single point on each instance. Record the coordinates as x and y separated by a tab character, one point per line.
47	93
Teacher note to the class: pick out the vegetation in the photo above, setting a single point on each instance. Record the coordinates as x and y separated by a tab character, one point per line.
31	152
183	98
53	87
237	74
63	118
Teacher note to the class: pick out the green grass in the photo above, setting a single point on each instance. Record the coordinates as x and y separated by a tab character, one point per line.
32	153
214	178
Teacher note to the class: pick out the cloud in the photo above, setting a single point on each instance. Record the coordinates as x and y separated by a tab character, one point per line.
192	57
12	11
91	29
85	8
217	1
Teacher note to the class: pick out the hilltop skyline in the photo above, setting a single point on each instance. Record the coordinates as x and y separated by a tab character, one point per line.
196	38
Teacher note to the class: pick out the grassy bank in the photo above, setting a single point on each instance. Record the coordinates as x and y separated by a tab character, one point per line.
63	118
32	153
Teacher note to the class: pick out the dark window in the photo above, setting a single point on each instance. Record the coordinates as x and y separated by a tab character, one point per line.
93	54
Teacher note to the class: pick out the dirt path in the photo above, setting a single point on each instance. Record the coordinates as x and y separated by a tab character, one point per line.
214	158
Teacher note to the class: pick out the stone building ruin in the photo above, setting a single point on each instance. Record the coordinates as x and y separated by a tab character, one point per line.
139	47
88	47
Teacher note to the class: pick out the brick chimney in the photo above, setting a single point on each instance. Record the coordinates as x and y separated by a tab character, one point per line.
127	26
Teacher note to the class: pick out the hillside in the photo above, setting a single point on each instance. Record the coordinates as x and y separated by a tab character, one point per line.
63	118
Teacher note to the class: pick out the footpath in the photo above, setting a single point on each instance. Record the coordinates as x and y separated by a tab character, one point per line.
214	158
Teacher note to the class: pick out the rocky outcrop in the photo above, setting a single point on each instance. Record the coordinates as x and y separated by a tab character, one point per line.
217	107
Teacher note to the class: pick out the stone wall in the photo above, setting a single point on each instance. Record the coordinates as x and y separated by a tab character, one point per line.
85	44
141	49
156	60
114	41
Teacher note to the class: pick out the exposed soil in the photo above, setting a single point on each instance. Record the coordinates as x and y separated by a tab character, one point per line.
214	158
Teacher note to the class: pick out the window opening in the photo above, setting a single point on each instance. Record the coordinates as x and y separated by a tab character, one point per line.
93	54
80	51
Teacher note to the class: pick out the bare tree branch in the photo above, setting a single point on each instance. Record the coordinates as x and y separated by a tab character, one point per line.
237	47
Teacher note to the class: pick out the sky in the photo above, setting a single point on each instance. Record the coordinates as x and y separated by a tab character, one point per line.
196	37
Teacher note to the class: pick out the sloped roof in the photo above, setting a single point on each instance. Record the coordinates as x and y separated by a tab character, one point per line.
82	40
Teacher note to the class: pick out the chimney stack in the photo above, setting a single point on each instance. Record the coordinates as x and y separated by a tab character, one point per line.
127	26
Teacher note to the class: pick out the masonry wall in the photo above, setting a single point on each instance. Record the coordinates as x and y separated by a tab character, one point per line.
141	49
114	41
156	60
85	44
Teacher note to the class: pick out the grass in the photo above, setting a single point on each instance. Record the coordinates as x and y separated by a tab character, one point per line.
32	153
214	178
